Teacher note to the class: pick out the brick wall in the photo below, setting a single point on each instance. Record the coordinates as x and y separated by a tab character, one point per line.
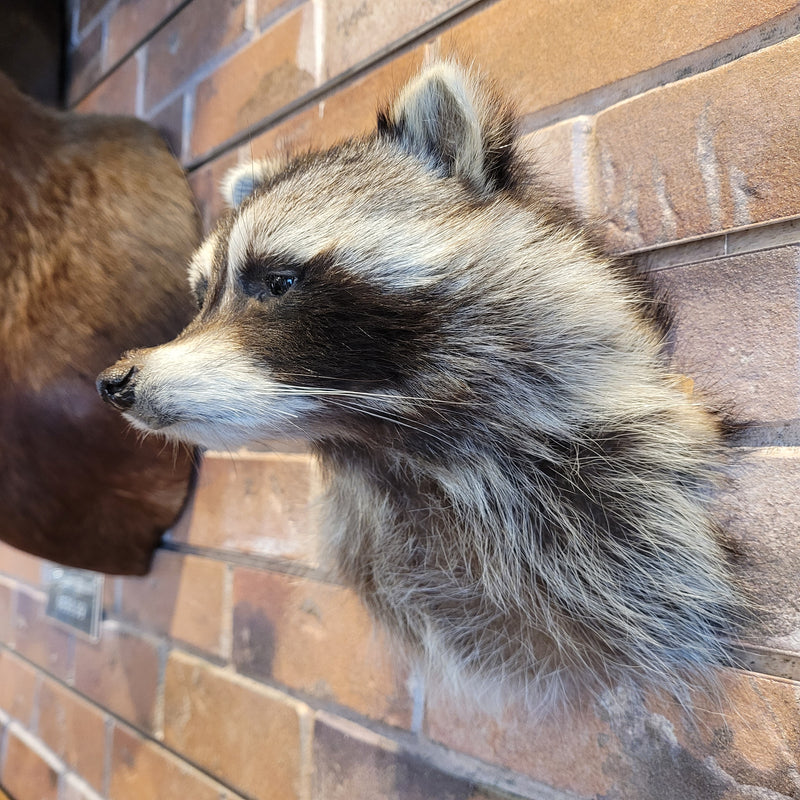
237	669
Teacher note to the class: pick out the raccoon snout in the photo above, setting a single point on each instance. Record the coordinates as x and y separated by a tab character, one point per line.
117	385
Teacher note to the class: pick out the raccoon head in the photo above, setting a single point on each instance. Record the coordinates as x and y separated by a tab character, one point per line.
326	292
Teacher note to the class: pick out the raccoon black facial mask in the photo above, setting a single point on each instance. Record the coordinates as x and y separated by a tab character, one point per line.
518	488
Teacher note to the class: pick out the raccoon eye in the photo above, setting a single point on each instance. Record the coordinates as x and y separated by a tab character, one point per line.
265	278
280	284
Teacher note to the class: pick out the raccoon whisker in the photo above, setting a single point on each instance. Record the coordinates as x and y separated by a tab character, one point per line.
321	390
426	430
390	417
319	377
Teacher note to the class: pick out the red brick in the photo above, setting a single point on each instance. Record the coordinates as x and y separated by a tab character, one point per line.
141	769
299	133
316	638
116	94
248	735
351	111
708	153
355	30
193	37
29	773
545	56
120	673
205	182
182	596
20	565
260	79
736	331
169	123
74	730
38	638
88	10
18	681
260	503
351	762
131	22
85	64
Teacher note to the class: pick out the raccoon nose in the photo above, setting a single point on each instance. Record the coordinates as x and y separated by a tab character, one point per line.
117	385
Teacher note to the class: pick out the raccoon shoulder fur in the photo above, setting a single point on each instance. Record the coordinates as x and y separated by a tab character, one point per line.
519	489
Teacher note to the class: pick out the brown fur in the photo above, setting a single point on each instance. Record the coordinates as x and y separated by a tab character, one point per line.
96	225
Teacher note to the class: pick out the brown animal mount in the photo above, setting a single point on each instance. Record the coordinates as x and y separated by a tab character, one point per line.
97	223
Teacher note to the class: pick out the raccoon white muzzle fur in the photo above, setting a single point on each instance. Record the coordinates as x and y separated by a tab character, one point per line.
519	490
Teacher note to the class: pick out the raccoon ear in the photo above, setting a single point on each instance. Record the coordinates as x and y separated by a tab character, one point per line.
243	179
456	125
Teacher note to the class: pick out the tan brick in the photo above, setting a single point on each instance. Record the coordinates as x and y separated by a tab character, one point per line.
558	154
109	595
193	37
38	638
120	673
76	789
568	757
745	743
708	153
260	79
116	94
20	565
316	638
736	331
141	769
351	762
18	681
355	30
740	742
86	63
268	11
6	611
28	772
760	508
246	734
182	596
545	56
74	730
260	503
131	22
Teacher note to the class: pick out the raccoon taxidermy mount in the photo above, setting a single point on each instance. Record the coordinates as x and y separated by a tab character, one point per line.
519	489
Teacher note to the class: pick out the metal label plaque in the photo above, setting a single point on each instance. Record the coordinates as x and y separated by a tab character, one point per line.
75	599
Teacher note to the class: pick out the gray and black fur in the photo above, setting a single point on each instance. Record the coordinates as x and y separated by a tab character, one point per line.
519	489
